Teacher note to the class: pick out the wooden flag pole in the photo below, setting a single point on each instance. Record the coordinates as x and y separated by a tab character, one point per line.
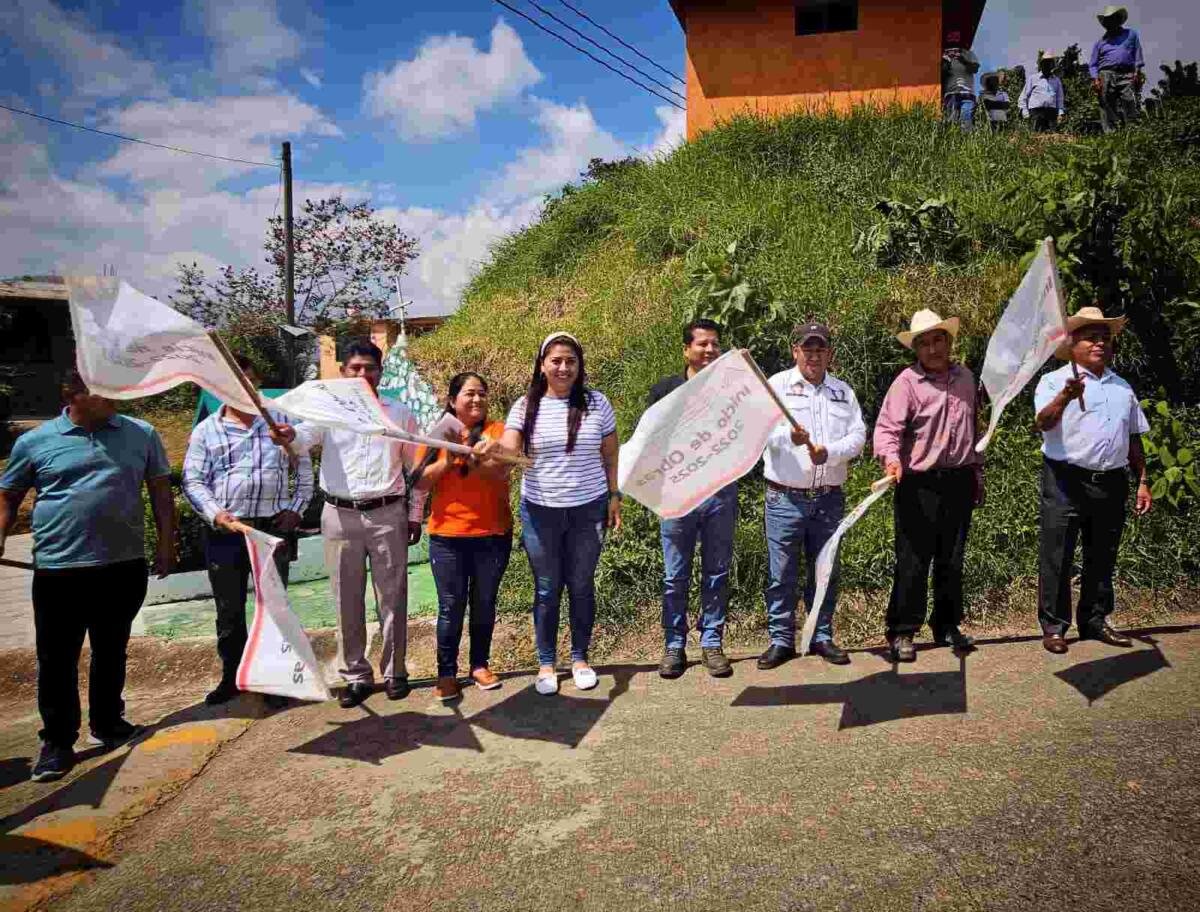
248	387
453	447
1062	307
796	426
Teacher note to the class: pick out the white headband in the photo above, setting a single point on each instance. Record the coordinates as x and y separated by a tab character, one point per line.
556	335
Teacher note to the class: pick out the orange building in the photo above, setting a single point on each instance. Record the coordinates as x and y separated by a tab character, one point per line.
771	56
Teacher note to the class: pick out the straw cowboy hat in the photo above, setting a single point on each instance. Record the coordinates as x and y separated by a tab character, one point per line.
1084	317
924	321
1113	12
1050	55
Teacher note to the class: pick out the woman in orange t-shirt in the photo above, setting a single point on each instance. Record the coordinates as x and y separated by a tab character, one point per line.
470	537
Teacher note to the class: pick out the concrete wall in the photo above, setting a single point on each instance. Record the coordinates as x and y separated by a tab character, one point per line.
744	56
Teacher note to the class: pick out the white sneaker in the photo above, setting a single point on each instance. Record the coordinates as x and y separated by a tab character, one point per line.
585	678
546	686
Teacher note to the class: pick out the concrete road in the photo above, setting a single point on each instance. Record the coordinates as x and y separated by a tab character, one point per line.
1008	779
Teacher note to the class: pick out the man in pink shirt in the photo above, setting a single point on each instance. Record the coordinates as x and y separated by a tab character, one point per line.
925	437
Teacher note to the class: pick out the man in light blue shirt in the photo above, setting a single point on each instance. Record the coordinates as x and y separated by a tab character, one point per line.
88	467
1091	424
1117	67
1042	98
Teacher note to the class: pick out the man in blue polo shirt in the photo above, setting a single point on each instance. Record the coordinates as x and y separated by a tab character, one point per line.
88	467
1117	67
1091	424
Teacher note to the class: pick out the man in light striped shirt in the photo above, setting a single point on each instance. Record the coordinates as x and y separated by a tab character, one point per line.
233	471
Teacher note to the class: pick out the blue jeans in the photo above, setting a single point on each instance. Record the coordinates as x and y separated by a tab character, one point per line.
796	523
958	109
714	522
467	571
563	544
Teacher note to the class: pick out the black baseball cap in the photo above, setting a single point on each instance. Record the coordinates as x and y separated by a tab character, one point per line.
806	331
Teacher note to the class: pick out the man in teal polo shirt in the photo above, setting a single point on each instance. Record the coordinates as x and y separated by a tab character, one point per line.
88	466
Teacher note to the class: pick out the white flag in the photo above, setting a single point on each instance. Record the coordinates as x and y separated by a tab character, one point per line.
278	658
349	404
128	345
825	560
1031	327
705	435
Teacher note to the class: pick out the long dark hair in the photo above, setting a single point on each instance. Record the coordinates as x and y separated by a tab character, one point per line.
577	401
457	382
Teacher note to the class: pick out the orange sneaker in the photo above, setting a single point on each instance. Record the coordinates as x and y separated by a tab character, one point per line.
447	689
485	678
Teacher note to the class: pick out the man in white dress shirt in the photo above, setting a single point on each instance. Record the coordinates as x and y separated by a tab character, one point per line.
369	516
1091	424
805	471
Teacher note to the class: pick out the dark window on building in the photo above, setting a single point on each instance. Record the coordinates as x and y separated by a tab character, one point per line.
816	16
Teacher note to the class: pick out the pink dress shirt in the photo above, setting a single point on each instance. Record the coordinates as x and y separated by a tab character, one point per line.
927	421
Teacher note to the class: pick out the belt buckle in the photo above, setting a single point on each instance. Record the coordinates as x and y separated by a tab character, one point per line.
358	504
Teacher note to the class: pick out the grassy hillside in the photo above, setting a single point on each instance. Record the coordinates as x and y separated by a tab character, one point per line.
783	216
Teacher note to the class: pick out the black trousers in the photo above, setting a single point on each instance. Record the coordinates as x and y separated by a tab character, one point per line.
101	603
1043	120
229	576
1089	508
932	518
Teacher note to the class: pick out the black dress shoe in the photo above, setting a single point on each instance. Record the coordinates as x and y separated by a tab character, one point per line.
673	664
952	636
903	649
1107	635
222	693
831	652
775	656
396	688
354	694
716	662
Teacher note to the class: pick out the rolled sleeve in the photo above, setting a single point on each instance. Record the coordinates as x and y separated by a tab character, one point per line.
196	465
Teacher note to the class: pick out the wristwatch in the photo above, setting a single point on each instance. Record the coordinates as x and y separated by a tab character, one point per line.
617	494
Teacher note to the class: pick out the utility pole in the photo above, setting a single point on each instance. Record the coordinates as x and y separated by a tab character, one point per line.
289	260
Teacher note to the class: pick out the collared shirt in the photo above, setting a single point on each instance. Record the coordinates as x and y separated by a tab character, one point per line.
89	488
1122	51
829	411
1042	92
927	421
235	468
665	387
366	466
1096	436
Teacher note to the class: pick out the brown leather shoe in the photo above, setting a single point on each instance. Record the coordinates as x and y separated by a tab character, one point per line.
485	678
447	689
1107	635
1054	642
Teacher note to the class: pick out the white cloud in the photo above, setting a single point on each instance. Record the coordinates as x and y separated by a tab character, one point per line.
438	93
572	137
1013	31
242	126
311	77
96	64
248	38
674	130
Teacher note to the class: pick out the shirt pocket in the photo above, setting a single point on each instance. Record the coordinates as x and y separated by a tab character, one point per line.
840	418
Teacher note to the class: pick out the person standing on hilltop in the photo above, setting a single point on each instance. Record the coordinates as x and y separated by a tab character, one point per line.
925	438
1117	68
234	473
1042	102
805	470
713	523
369	515
88	466
569	498
1091	424
959	66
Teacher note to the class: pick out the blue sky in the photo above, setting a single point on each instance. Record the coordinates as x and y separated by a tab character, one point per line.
455	118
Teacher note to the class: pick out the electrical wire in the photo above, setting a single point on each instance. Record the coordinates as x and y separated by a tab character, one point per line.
581	14
144	142
623	61
590	55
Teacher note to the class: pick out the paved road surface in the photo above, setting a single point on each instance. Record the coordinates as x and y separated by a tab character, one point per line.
1011	779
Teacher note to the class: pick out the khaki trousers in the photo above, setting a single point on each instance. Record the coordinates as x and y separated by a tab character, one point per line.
352	538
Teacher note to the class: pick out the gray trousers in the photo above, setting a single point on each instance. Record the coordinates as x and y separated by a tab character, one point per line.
352	538
1118	101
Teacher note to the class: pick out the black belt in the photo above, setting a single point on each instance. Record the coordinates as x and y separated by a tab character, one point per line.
803	492
1094	475
363	505
1123	68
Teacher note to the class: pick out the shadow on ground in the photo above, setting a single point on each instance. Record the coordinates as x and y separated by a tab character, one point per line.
1098	677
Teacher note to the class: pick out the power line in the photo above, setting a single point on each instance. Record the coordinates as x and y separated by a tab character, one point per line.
144	142
587	53
623	61
583	15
